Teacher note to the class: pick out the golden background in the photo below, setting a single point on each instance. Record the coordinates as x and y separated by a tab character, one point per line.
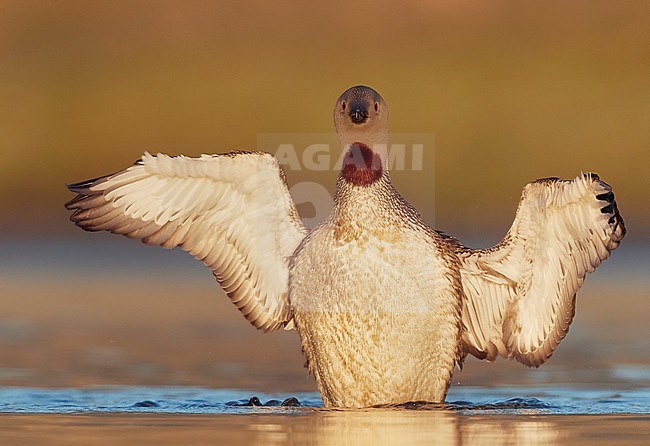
512	91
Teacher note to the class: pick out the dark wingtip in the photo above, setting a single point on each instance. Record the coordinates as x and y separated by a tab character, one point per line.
607	196
79	189
618	222
615	220
82	189
547	180
73	187
81	186
71	205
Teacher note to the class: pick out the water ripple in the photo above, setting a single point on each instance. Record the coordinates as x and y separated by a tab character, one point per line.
195	400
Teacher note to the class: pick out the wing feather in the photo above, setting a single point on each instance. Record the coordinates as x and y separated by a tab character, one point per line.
231	211
520	294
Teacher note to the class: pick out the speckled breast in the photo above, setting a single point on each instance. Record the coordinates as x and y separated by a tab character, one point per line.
377	315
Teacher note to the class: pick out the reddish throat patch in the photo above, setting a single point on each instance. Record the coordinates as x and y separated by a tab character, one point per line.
361	166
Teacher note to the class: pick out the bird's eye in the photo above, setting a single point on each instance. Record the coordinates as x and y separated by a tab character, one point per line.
376	107
343	105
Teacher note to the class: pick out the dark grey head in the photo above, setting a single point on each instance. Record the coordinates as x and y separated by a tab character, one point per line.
360	114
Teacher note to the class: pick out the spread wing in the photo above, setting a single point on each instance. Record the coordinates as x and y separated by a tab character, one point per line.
232	211
520	294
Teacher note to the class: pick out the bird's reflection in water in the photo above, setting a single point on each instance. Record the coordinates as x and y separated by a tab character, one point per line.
386	426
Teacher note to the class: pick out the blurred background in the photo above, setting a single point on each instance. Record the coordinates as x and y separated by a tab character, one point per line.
511	92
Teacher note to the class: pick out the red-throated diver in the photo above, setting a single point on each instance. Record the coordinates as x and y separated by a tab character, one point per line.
384	305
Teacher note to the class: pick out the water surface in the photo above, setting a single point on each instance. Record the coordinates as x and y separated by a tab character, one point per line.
176	415
197	400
